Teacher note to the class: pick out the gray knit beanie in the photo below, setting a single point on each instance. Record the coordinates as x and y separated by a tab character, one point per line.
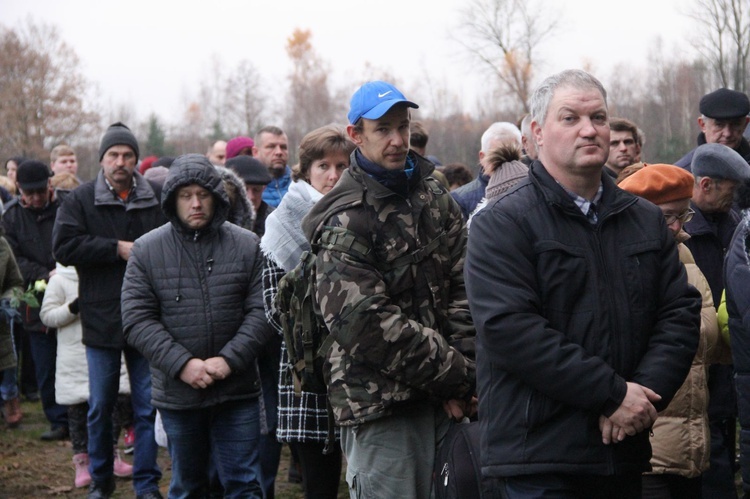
118	135
505	177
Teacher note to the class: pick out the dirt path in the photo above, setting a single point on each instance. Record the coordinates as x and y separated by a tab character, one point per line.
30	468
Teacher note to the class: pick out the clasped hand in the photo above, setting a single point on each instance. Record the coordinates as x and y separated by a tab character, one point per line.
203	373
635	414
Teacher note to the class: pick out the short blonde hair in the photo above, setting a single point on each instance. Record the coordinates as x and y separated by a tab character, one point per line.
61	150
64	180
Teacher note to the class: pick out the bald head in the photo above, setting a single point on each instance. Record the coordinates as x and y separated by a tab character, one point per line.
217	153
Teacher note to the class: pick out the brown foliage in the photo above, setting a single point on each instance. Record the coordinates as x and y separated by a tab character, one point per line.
42	91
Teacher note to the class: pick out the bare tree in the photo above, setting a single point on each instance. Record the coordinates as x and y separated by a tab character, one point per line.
723	39
310	103
42	91
504	37
244	102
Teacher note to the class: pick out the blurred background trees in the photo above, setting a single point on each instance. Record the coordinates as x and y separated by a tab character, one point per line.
46	100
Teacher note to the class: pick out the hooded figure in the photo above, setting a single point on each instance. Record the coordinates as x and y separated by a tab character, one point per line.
192	305
241	212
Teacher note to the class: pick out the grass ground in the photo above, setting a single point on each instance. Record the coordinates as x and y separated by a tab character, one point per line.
30	468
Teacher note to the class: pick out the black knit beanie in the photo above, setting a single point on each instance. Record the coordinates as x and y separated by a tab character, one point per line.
118	135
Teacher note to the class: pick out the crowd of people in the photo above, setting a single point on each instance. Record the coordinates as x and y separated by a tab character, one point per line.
565	299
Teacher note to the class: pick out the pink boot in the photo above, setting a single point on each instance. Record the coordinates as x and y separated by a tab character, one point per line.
81	462
121	468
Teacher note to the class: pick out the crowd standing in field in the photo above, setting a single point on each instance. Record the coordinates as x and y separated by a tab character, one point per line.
575	323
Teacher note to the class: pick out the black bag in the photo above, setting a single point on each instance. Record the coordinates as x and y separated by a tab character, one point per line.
458	472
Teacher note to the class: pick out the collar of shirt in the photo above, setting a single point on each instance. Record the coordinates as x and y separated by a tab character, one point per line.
114	192
588	208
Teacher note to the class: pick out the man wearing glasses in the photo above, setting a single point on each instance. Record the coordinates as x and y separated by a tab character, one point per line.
723	119
717	169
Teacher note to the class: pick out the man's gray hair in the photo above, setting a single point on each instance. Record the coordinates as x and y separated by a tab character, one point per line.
501	130
526	126
573	78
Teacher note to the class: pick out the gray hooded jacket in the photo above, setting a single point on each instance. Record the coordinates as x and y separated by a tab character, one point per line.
196	294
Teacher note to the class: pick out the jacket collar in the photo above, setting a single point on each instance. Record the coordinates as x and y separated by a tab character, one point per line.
142	196
613	198
700	223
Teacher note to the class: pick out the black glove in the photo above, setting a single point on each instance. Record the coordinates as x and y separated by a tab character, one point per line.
73	306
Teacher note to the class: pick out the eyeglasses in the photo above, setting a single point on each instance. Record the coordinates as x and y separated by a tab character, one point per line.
683	217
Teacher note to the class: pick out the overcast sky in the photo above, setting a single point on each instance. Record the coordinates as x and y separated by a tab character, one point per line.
154	52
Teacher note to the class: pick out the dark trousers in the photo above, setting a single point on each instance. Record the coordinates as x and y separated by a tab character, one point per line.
270	448
78	423
321	473
668	486
718	480
77	427
44	351
559	486
27	373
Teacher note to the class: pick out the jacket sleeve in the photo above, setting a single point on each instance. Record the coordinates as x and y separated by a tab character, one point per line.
717	348
374	330
272	274
513	334
140	318
55	312
12	278
30	270
673	339
72	241
462	334
246	346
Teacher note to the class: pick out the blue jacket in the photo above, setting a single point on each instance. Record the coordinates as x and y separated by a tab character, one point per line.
277	188
468	196
737	275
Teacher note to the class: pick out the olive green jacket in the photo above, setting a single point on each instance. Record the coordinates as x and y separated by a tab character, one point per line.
10	278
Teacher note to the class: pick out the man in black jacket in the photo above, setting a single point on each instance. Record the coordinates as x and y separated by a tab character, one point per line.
95	229
28	222
192	304
586	326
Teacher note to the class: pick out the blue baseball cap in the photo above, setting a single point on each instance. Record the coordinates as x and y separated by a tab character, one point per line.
373	99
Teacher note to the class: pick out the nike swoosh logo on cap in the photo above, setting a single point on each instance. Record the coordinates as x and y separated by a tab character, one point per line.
380	96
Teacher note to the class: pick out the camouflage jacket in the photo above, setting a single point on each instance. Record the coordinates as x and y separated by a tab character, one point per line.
402	331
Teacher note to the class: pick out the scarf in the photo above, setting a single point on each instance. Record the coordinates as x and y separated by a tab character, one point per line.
399	181
284	242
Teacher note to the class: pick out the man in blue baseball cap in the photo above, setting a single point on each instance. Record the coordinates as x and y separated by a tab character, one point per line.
401	363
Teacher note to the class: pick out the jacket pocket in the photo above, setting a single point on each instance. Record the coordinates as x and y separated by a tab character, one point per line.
563	273
641	260
540	409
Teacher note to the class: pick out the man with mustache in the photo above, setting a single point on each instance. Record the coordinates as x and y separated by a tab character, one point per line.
94	231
